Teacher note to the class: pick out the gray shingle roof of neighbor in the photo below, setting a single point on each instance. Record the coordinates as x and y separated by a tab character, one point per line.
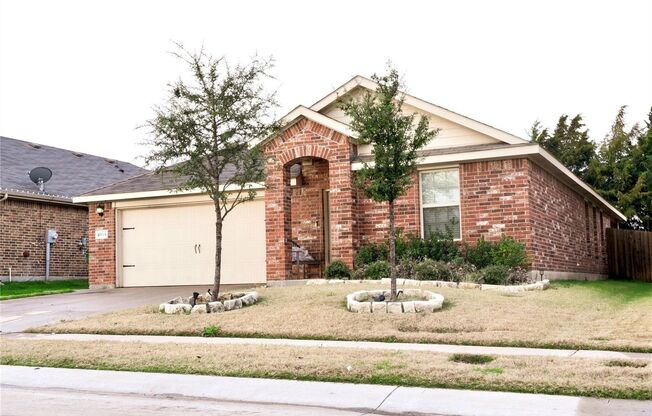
151	181
73	173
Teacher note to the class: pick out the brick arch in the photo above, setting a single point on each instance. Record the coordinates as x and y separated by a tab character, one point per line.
299	152
305	139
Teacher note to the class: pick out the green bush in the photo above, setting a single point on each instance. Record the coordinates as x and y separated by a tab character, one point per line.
432	270
405	269
211	331
441	247
496	274
377	270
410	247
481	254
509	252
337	270
370	253
461	270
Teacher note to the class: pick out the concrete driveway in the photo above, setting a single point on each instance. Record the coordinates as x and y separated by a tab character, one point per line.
19	314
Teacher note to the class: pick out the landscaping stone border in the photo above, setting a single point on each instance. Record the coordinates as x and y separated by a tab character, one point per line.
179	305
540	285
362	302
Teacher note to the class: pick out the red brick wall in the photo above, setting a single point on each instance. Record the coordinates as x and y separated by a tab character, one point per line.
373	217
101	270
567	232
307	139
24	225
494	200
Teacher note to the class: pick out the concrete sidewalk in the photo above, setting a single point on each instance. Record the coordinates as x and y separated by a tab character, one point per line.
440	348
79	392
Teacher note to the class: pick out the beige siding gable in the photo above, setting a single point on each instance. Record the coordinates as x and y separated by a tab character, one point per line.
450	134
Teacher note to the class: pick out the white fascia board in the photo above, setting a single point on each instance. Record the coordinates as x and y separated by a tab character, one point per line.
156	194
424	106
468	156
295	115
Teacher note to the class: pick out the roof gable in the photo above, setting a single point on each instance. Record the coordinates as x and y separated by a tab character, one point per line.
327	105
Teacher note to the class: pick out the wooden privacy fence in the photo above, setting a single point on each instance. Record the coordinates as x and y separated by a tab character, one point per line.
629	254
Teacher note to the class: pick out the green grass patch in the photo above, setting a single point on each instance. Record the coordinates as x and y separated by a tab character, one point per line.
211	331
489	370
471	358
15	290
620	291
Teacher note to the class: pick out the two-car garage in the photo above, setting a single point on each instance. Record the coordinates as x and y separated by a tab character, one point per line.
171	241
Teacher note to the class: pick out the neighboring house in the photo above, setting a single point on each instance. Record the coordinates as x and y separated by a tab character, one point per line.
485	180
27	213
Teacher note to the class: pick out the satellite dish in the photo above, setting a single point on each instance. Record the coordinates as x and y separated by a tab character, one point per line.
39	176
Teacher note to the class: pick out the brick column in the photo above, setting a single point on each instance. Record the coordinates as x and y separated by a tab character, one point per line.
342	215
278	220
101	264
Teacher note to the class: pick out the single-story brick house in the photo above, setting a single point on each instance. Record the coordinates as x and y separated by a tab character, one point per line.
488	181
27	212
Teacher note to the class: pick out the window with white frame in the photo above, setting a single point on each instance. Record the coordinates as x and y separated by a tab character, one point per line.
440	202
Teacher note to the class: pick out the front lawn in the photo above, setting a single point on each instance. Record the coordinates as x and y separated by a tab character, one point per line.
608	315
627	379
16	290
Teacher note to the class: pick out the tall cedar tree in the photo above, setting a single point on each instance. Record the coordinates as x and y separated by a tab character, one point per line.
378	120
612	171
569	143
641	193
203	133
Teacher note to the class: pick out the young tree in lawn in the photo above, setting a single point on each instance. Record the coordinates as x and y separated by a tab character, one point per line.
378	120
203	134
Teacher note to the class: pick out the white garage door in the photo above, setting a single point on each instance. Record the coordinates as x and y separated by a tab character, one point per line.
171	246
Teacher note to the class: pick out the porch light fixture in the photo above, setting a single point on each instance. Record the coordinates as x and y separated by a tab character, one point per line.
541	272
100	210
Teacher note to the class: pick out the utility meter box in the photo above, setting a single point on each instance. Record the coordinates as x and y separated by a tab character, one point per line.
52	236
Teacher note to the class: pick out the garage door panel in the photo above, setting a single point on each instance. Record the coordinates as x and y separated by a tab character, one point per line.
176	245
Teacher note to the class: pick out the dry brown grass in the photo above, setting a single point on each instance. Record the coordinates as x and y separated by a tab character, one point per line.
587	377
579	315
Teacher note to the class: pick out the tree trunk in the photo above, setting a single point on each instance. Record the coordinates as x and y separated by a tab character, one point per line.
218	253
392	251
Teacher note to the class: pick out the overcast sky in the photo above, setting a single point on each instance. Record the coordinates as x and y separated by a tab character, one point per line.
84	74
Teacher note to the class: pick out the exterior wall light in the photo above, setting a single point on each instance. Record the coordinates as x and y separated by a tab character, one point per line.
100	210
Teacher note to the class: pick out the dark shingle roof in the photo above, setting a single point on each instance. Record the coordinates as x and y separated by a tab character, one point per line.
73	173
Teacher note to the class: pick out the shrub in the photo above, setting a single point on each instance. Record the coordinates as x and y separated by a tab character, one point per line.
481	254
461	270
410	247
377	270
405	269
432	270
337	270
493	275
517	276
441	247
370	253
471	358
509	252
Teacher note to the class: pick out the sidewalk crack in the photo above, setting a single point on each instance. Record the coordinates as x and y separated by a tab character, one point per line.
382	402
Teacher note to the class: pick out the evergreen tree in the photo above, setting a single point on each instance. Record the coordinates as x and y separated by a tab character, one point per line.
378	119
569	143
612	172
206	127
639	197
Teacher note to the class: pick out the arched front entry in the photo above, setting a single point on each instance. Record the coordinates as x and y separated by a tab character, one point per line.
295	212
